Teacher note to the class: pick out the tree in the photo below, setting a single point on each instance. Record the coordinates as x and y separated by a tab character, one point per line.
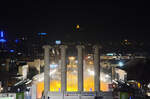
139	70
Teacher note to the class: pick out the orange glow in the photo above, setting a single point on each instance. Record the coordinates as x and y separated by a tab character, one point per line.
139	85
78	26
55	86
71	58
72	80
40	88
91	62
104	86
71	85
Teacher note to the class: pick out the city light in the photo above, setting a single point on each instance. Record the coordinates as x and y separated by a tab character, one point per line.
148	85
2	40
1	34
58	42
42	33
121	64
72	58
12	51
107	76
76	61
110	54
78	26
53	65
16	41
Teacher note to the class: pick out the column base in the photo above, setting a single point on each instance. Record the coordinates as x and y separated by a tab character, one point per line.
80	95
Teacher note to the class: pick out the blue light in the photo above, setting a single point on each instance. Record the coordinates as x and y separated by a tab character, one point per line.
110	54
53	65
16	41
90	89
58	42
2	34
12	51
121	64
2	40
42	33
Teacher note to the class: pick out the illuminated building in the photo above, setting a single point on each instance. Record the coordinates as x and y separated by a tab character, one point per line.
72	72
71	64
78	75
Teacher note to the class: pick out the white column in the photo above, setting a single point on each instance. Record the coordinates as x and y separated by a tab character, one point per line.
33	92
80	67
46	70
63	68
96	68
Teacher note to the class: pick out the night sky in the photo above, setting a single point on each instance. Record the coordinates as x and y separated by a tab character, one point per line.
100	20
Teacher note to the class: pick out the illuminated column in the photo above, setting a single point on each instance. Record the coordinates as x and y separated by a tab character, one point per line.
96	68
46	70
113	73
63	68
80	67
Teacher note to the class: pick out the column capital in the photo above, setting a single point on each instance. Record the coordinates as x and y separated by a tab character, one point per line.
80	46
97	46
46	46
63	46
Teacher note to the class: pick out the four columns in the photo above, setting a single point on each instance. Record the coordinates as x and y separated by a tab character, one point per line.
64	68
